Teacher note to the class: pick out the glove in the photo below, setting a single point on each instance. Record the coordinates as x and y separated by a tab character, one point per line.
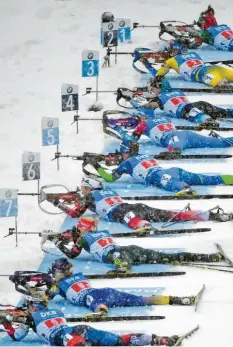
94	161
56	202
102	309
171	341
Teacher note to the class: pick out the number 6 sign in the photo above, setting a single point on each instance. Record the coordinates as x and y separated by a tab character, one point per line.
31	166
8	202
50	131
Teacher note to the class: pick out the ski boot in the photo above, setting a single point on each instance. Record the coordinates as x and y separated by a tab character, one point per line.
121	266
183	300
187	191
220	215
164	340
230	112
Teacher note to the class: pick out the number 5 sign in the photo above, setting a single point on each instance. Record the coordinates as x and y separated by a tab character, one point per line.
50	131
69	97
8	202
31	166
90	63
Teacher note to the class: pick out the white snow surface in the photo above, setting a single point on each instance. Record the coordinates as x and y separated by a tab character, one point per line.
41	45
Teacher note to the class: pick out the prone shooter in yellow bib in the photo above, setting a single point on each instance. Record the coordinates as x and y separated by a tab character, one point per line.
191	67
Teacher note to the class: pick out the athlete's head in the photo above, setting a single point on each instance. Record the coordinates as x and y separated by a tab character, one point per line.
61	268
174	48
207	19
128	150
107	17
89	184
156	84
87	224
39	302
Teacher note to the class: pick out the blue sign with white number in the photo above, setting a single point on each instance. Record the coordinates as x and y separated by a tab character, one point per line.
90	63
8	203
50	131
124	29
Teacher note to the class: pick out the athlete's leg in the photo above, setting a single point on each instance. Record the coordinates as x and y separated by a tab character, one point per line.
112	298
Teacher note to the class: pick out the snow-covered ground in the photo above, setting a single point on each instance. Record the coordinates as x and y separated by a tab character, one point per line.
41	45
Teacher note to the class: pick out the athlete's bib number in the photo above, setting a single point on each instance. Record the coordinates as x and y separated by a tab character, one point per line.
113	200
50	323
178	100
227	34
77	287
194	62
147	164
157	132
105	242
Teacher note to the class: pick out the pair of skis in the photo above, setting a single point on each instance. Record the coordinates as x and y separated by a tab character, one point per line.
215	267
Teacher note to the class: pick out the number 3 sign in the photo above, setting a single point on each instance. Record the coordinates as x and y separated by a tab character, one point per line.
90	64
31	166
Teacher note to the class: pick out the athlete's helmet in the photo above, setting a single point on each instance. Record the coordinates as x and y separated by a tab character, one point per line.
35	302
107	17
176	47
61	265
156	82
86	223
91	183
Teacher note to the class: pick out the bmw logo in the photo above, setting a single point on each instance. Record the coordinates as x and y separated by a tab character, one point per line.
90	55
122	23
31	158
69	90
110	26
50	123
8	194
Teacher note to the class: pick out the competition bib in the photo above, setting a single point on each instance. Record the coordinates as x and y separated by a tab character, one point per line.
141	170
223	39
106	204
99	246
46	327
157	132
172	104
187	68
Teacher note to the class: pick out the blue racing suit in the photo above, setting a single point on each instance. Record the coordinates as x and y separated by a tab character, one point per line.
78	290
146	170
164	134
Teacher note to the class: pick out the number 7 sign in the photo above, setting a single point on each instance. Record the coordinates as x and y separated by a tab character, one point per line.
8	202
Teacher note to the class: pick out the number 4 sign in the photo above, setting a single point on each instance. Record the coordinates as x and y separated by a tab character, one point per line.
31	166
69	97
8	202
50	131
90	63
